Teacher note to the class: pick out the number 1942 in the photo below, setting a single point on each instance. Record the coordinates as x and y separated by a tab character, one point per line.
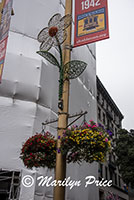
90	3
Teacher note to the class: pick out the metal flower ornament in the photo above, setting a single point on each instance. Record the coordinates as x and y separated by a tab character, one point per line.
54	36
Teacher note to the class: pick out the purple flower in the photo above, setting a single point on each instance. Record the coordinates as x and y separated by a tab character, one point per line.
59	137
100	125
109	132
58	150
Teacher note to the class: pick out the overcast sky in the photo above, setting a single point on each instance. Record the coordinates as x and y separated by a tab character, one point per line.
115	58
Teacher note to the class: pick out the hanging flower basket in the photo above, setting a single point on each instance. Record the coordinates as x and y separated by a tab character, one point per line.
89	143
39	151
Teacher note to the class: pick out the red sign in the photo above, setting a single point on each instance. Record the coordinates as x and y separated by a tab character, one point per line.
4	29
91	21
3	45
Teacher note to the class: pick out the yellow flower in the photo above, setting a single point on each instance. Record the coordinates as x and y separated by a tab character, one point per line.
42	141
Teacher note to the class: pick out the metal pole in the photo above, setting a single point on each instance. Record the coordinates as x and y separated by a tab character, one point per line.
60	171
1	7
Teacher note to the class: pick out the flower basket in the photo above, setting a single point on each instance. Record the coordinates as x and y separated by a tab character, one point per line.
89	143
39	151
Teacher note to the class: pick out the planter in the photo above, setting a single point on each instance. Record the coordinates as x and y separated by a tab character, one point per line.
39	151
89	143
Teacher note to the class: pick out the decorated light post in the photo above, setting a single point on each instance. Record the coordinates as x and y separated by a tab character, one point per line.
53	36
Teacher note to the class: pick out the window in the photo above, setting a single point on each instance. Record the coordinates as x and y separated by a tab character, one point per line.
108	124
101	170
115	177
98	96
115	132
114	158
99	113
106	106
102	102
114	116
109	108
111	175
119	180
101	195
117	120
110	157
104	118
106	173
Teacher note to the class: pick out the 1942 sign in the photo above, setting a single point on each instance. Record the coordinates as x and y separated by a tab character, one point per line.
91	21
90	3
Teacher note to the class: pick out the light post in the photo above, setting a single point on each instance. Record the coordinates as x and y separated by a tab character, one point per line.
60	171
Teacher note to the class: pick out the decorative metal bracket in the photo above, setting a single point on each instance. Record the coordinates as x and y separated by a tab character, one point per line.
78	115
70	47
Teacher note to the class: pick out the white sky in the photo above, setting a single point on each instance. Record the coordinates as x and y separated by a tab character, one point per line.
115	58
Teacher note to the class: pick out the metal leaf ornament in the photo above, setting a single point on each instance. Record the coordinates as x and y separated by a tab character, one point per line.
49	57
74	68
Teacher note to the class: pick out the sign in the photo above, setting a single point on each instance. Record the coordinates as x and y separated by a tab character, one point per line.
91	21
5	9
3	45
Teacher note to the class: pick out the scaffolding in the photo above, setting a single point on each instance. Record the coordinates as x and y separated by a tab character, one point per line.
9	185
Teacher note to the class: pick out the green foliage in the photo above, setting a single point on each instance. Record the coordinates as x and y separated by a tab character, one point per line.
124	149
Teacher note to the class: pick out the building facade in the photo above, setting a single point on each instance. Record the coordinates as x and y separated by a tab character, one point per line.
109	115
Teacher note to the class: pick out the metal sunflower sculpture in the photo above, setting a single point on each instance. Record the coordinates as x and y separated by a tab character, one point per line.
54	36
